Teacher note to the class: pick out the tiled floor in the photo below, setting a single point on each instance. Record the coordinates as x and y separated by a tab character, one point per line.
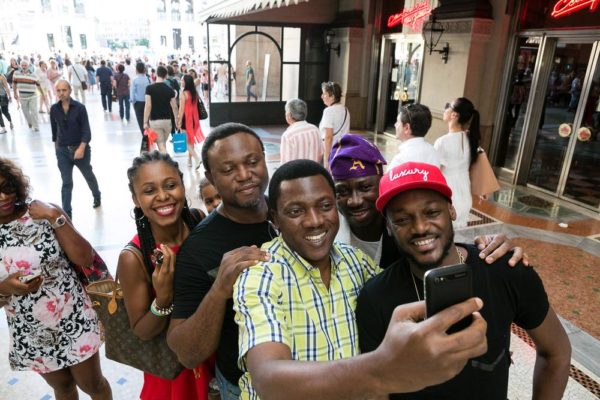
567	257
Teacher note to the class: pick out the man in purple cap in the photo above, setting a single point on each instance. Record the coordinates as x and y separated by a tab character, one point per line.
417	205
357	166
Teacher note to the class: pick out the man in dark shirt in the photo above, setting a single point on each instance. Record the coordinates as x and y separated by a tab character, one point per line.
217	250
159	108
416	203
105	78
71	135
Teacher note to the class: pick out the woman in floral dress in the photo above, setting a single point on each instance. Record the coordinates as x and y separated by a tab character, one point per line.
53	329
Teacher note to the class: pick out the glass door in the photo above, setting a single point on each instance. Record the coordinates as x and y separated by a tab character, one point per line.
555	128
583	177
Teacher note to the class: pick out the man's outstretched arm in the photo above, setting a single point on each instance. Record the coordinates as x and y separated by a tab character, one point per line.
413	355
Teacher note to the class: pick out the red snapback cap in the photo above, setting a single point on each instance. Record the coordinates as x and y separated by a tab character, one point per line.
411	176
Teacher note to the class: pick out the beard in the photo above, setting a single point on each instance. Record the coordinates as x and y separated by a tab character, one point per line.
424	267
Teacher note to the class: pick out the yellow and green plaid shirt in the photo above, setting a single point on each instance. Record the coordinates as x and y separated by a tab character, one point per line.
285	301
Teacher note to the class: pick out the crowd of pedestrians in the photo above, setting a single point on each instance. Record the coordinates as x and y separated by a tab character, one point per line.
311	279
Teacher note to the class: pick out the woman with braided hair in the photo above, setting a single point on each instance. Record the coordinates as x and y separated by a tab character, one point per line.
163	220
458	149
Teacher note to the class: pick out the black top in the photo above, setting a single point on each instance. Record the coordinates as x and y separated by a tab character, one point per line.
160	99
201	253
72	128
104	74
509	295
389	251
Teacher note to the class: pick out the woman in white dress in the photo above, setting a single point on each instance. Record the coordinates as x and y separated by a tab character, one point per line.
457	151
336	119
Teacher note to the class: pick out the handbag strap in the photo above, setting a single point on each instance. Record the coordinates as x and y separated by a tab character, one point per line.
76	74
343	122
137	252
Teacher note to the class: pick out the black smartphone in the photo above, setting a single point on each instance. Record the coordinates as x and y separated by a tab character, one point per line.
446	286
158	257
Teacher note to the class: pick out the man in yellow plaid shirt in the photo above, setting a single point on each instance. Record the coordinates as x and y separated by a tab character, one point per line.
298	336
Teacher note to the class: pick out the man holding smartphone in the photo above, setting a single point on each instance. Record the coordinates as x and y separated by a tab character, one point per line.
416	203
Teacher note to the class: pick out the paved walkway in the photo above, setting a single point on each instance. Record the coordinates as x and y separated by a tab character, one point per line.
568	258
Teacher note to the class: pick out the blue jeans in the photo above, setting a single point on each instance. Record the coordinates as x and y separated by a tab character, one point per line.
106	97
228	391
124	107
249	93
65	157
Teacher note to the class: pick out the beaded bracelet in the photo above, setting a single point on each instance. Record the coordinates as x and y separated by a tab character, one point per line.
160	312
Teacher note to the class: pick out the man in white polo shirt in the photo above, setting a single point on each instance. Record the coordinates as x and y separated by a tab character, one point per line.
25	85
414	121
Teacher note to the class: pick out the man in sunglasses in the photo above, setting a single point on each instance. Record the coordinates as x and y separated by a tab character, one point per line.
71	135
413	123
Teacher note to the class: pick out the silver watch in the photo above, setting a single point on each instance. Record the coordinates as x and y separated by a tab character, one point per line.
60	221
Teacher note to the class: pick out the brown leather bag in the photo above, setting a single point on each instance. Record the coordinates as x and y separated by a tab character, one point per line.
483	179
152	356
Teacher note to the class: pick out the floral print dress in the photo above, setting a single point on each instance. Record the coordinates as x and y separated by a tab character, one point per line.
55	327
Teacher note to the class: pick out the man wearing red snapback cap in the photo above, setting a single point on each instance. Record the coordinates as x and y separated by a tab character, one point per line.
416	203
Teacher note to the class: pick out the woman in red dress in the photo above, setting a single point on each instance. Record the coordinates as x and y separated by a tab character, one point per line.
163	222
189	119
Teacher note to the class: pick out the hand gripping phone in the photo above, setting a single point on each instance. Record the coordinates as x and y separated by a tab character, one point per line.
30	277
446	286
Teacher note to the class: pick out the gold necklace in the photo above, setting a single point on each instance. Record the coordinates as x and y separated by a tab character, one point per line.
461	258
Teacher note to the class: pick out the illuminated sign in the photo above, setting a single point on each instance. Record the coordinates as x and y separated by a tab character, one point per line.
413	17
563	8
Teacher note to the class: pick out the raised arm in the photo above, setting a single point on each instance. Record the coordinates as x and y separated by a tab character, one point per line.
413	355
147	109
553	358
77	249
196	338
136	291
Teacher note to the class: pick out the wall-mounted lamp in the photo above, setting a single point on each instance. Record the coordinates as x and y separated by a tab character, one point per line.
432	33
329	35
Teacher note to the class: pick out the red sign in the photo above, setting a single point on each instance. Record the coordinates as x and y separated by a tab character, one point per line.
413	17
565	7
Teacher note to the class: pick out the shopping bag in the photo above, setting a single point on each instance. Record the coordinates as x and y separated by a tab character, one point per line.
179	142
483	179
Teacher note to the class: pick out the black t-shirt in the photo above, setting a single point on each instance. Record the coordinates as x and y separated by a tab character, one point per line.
196	266
509	295
160	99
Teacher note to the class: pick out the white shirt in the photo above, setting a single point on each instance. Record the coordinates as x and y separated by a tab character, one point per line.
416	149
333	117
80	76
130	71
346	236
301	140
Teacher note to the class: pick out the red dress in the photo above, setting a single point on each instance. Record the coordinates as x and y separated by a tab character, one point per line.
192	119
191	384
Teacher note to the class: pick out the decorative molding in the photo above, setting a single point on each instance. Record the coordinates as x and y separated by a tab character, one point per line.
457	27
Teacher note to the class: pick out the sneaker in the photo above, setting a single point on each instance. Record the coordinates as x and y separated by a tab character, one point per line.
97	203
12	126
189	162
3	130
105	111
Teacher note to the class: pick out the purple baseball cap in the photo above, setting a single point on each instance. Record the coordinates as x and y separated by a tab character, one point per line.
353	157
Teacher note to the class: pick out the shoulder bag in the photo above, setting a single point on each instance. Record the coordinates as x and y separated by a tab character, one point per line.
152	356
483	179
202	113
84	85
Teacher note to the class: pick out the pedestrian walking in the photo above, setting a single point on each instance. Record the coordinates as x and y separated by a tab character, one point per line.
71	135
121	83
160	107
250	81
138	93
5	99
25	86
105	78
78	79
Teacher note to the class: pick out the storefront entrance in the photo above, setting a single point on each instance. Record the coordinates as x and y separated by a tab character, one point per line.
551	126
400	77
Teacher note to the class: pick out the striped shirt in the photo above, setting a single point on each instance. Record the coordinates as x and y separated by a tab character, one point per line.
285	301
301	140
26	83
